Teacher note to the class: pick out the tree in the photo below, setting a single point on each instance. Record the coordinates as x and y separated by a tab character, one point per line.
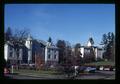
61	45
8	34
38	61
89	55
91	40
109	43
68	54
21	35
92	55
65	53
77	54
113	51
77	49
50	39
104	39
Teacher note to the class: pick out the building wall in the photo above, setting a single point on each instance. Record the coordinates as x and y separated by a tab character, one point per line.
37	49
89	44
46	50
28	51
6	52
9	53
82	51
28	44
96	53
51	55
20	55
25	55
100	53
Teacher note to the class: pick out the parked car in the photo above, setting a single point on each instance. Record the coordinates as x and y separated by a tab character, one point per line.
90	69
81	69
107	69
101	68
113	69
31	66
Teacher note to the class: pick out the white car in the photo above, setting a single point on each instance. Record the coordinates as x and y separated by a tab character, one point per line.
107	69
90	69
101	68
114	69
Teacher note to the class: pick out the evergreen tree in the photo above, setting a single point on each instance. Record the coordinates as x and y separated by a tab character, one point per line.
8	34
61	45
50	39
91	40
108	41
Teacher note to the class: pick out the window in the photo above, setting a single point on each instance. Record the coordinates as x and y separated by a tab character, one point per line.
49	50
49	56
55	51
10	48
17	54
11	54
54	56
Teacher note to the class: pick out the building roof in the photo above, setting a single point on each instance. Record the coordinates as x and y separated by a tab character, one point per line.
43	42
92	46
14	43
52	47
29	37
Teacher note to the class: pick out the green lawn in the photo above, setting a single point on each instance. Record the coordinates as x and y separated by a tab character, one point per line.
101	63
34	71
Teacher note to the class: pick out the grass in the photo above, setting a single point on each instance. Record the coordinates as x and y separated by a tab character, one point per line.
101	63
39	73
34	71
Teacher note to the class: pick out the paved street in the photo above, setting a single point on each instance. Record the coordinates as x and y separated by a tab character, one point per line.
97	75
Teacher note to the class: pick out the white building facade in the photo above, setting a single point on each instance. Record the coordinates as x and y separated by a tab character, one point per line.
48	52
51	54
28	44
97	50
12	54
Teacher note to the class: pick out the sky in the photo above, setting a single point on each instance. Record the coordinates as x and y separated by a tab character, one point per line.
74	23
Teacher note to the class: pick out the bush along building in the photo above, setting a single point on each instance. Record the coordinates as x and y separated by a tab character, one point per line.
32	51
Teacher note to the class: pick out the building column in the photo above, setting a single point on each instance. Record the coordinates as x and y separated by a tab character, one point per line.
46	50
29	56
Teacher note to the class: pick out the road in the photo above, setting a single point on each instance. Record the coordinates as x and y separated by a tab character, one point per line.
97	75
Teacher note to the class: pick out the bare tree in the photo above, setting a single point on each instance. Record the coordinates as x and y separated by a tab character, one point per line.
21	35
77	54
